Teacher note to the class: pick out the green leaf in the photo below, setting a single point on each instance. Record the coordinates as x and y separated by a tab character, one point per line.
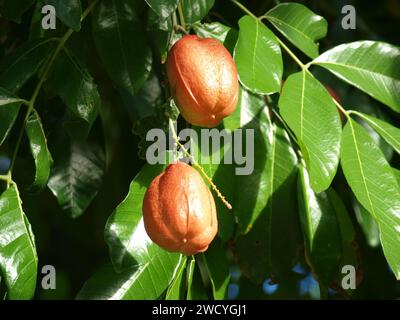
77	89
18	258
196	290
176	290
321	230
77	175
299	25
375	187
214	30
39	150
259	252
371	66
397	175
222	174
127	60
390	133
310	112
147	269
258	57
195	10
367	223
251	191
160	34
68	12
146	281
224	34
25	62
13	10
163	8
120	232
217	265
9	107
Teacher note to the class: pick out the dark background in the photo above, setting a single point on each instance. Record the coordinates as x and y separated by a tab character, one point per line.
76	246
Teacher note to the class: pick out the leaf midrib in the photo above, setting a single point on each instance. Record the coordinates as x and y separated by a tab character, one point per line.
361	168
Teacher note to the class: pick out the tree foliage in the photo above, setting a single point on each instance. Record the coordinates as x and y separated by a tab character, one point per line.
76	104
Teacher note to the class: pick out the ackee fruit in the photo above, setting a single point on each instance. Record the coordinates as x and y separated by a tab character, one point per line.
203	80
179	210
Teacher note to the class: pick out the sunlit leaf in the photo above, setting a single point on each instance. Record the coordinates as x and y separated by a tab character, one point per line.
258	57
371	66
196	290
177	288
18	258
375	187
387	131
308	109
299	25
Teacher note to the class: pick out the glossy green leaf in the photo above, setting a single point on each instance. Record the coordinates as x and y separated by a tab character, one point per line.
121	232
310	112
371	66
160	33
259	252
13	10
367	223
375	187
217	266
39	150
9	107
258	57
397	174
163	8
387	131
251	189
321	230
195	10
77	89
77	175
222	174
127	60
68	12
177	288
130	247
146	281
196	290
362	103
299	25
18	258
224	34
25	62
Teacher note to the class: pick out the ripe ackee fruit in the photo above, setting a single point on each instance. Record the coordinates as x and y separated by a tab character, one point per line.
179	210
203	80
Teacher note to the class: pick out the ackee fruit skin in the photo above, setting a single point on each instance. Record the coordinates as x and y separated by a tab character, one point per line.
179	210
203	80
